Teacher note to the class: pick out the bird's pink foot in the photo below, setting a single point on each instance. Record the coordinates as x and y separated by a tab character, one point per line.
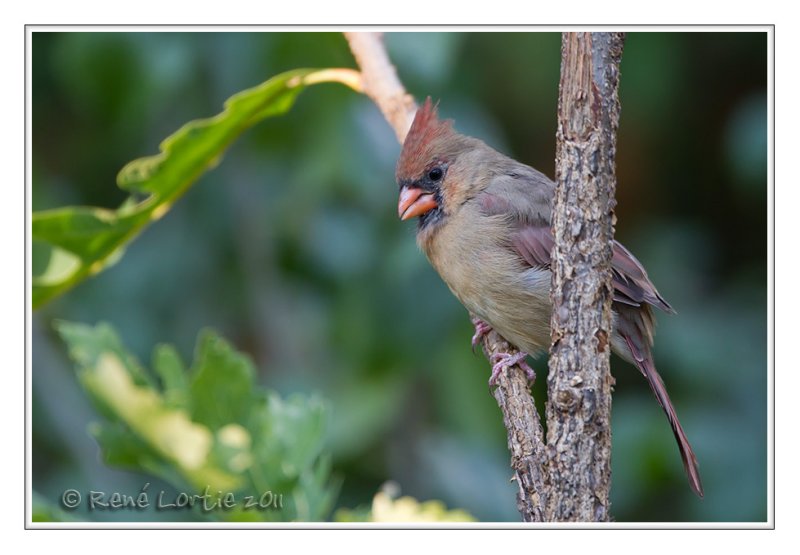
481	329
501	361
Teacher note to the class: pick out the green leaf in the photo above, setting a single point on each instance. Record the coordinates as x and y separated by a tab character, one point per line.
169	367
314	494
213	430
121	448
87	345
222	383
290	434
72	243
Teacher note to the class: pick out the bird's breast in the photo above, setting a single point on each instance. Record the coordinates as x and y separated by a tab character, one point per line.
473	256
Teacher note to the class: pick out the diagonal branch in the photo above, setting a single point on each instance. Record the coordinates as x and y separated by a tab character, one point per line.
522	422
380	81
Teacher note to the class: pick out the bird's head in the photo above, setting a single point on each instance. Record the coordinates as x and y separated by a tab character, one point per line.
432	168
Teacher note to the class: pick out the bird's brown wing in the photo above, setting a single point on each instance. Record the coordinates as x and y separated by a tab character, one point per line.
632	287
524	198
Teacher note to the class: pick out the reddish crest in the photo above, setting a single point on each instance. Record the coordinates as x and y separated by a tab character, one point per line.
419	148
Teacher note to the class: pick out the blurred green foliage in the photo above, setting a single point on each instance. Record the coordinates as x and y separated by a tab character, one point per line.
209	430
291	248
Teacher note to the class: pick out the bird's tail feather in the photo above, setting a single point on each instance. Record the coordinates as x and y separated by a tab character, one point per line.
645	363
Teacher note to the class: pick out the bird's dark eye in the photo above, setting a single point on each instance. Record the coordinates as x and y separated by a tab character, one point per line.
435	174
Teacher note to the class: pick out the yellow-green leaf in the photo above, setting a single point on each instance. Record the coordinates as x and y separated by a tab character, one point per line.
73	243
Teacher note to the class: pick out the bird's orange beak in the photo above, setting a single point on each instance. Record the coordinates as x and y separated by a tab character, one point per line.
414	202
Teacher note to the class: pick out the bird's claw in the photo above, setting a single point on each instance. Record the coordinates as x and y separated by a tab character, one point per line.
501	361
481	329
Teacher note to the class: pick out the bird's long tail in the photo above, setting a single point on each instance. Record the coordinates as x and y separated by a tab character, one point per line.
644	361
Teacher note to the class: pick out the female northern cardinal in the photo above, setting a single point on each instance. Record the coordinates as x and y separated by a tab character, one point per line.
484	224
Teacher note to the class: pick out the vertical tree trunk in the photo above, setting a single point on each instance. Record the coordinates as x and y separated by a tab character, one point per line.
579	382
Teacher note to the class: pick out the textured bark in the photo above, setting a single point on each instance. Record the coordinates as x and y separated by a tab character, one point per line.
579	382
525	434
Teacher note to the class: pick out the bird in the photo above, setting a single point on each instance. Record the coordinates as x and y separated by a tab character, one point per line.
484	225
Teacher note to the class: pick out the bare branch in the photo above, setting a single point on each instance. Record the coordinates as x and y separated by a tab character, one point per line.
525	434
380	81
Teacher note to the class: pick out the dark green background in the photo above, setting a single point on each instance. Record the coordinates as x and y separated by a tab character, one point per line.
292	249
